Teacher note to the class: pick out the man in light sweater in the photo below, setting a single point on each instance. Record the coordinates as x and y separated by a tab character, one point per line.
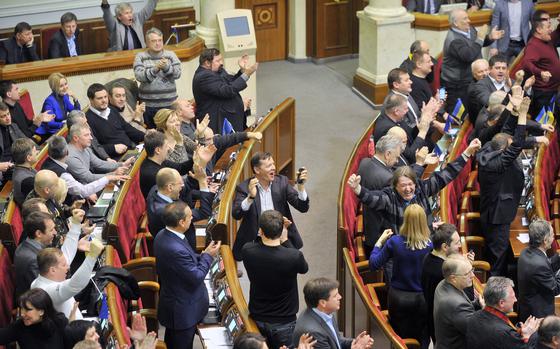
156	69
83	164
53	267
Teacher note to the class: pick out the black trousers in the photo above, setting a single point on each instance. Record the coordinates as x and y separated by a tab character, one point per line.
496	237
278	334
179	339
408	314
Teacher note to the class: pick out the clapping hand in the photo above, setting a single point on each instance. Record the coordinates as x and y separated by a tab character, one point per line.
362	341
473	147
354	183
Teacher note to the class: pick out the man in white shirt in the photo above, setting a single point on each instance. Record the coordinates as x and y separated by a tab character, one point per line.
53	267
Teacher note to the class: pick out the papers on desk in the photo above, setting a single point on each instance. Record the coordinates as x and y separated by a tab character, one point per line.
215	337
140	147
523	237
97	231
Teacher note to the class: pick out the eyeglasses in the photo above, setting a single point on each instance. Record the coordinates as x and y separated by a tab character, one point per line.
467	273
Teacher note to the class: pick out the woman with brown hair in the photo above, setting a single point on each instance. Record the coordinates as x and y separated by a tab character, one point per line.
182	147
407	307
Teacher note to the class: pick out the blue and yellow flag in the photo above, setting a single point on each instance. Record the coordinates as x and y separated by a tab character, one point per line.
447	124
549	117
459	109
540	117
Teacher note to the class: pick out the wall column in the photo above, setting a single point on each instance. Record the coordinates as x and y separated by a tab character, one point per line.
385	38
297	31
208	27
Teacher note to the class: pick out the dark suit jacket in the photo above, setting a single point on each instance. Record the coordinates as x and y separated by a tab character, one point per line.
183	298
58	46
383	123
114	130
500	18
479	93
487	331
155	205
501	181
538	283
375	176
217	93
149	170
452	309
310	322
11	52
26	268
14	132
419	5
282	194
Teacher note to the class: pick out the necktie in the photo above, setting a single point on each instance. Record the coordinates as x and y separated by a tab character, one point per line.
128	41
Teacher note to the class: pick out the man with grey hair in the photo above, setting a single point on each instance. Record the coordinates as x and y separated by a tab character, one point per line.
156	69
56	162
85	166
462	46
536	273
126	28
79	117
549	333
452	307
490	327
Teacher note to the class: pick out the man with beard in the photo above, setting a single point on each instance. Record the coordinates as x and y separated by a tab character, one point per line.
217	93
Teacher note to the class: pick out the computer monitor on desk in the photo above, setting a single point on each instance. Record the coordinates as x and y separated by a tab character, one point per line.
447	8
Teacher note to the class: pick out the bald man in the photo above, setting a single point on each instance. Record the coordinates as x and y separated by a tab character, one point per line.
185	111
408	155
452	307
170	187
479	69
45	187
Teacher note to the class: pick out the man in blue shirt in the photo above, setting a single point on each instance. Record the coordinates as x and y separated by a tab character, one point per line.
64	43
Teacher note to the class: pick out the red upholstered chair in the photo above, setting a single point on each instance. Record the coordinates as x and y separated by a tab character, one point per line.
26	104
46	35
436	84
7	287
131	211
17	224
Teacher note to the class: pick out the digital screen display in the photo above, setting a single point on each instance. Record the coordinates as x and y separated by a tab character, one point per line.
215	267
221	295
236	26
231	326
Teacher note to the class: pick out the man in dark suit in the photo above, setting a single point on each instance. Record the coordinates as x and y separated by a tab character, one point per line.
267	191
168	189
490	328
9	133
446	241
501	179
430	7
20	48
461	48
452	307
183	297
323	300
514	23
549	333
108	126
64	43
216	92
537	276
377	173
497	79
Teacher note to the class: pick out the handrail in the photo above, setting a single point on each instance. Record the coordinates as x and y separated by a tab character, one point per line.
235	288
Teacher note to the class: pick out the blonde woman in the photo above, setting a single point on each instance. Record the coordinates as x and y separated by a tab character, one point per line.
168	122
61	192
407	307
57	103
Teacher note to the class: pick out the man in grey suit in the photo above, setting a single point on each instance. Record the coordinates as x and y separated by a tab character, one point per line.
537	276
513	17
126	30
40	229
452	307
323	300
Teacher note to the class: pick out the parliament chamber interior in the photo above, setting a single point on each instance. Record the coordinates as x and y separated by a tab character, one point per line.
160	216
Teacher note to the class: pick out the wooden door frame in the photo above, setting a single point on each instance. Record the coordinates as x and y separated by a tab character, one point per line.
243	4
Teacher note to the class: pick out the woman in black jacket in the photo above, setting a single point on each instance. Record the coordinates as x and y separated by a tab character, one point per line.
39	325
